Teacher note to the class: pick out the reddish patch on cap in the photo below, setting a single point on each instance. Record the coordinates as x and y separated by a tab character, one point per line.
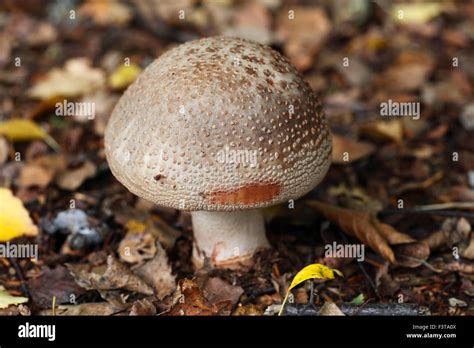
250	194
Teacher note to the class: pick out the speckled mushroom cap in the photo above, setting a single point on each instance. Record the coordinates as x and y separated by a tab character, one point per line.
218	124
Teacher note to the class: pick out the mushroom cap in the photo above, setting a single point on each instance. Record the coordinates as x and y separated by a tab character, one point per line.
219	124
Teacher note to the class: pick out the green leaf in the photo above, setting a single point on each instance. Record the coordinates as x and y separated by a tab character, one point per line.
358	300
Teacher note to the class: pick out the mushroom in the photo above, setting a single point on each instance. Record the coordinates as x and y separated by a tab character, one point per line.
220	127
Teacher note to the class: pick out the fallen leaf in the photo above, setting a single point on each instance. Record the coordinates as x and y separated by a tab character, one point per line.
412	254
358	300
13	310
217	290
21	130
137	247
345	150
6	299
124	76
33	175
72	179
77	78
143	307
15	220
56	282
106	12
190	301
115	276
249	309
330	309
453	231
387	130
314	271
415	65
415	13
304	31
158	273
365	227
455	302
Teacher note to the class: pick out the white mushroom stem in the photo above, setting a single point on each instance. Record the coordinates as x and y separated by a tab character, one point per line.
229	239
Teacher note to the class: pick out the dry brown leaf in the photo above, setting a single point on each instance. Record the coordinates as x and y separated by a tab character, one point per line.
33	175
345	150
143	307
304	30
41	171
217	290
408	73
388	130
53	282
73	178
115	276
158	273
364	226
249	309
453	232
330	309
412	254
191	301
137	247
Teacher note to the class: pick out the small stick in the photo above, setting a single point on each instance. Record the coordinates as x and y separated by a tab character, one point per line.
442	206
384	309
19	271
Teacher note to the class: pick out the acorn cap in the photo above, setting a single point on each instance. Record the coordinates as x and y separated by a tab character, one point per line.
219	124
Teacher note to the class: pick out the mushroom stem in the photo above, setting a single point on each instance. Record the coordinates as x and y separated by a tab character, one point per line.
229	239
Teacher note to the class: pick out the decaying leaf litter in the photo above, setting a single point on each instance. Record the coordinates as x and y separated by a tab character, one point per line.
403	186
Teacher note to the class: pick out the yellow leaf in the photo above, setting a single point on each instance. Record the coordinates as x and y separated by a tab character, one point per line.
135	226
6	299
314	271
124	76
14	218
21	130
416	13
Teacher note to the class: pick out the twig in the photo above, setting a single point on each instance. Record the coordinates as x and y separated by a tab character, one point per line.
442	206
451	213
384	309
19	271
259	292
